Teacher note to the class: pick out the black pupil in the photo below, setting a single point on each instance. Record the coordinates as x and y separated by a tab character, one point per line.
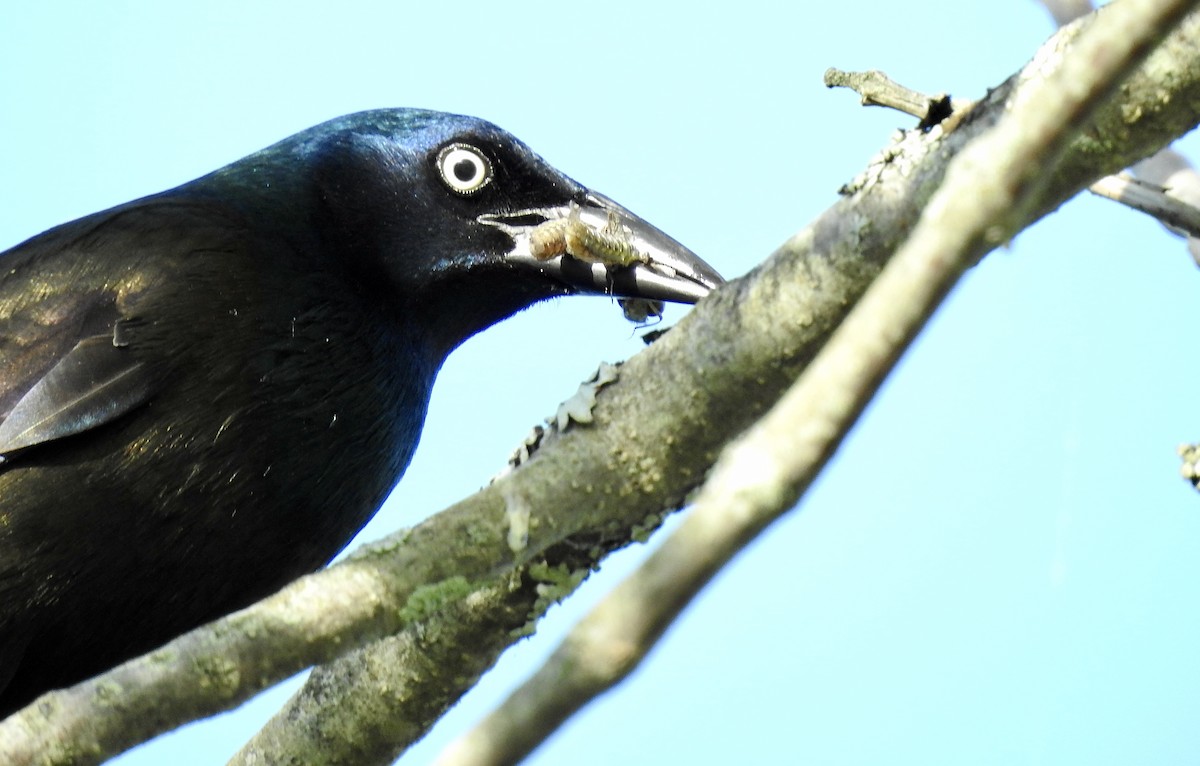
464	170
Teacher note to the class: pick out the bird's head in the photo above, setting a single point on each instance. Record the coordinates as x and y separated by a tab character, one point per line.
446	211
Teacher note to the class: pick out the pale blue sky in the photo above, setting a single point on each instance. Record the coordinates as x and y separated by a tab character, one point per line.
999	567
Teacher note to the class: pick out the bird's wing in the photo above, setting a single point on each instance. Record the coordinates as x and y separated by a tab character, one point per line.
64	366
96	382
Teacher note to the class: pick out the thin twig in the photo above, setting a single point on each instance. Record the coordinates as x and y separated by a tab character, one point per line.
1151	199
877	89
761	475
1172	172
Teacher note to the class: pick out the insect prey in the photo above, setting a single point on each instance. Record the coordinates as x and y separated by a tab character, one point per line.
571	236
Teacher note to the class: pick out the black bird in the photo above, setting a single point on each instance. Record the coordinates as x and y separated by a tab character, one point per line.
205	393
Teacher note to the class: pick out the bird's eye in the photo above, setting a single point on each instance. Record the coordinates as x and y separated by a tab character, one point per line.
464	168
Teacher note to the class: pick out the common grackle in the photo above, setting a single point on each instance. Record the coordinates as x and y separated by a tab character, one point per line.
205	393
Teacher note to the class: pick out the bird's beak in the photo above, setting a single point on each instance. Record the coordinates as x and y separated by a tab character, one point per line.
595	245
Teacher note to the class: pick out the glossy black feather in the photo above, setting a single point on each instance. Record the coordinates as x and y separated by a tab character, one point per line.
205	393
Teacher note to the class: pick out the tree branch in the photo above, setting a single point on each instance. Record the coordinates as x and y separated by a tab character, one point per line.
1177	208
1175	183
762	474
